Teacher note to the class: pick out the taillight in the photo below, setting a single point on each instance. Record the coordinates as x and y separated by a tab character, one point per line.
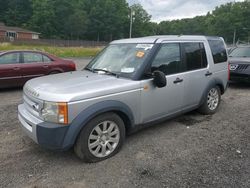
73	66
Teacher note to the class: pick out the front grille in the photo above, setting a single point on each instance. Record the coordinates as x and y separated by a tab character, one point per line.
242	67
33	106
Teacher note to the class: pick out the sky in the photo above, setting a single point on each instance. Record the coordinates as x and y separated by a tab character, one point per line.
161	10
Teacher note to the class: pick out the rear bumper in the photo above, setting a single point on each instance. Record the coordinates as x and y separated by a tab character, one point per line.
48	135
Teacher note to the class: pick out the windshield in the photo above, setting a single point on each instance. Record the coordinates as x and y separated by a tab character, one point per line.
240	52
120	59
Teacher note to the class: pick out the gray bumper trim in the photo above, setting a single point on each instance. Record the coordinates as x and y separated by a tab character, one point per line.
28	122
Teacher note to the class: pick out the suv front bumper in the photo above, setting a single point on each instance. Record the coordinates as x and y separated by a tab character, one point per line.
49	135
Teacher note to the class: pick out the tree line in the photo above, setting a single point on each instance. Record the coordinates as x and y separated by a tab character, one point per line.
105	20
101	20
226	20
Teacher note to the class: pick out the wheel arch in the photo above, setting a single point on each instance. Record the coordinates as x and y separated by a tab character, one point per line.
57	70
121	109
222	90
212	83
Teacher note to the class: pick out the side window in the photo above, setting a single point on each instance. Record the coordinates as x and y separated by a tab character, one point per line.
167	59
46	59
32	57
218	51
195	56
12	58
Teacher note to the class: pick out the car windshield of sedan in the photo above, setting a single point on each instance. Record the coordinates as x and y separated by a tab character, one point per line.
240	52
120	59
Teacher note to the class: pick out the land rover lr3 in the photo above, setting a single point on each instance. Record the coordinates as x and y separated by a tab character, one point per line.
131	82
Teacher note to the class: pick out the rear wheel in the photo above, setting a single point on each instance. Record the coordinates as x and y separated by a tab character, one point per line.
54	72
101	138
212	102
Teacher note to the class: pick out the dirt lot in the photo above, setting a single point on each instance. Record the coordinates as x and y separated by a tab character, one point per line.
189	151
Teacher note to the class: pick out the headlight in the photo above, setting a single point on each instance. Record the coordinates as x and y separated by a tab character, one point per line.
55	112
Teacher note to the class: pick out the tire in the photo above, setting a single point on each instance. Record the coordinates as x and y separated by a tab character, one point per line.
212	101
96	143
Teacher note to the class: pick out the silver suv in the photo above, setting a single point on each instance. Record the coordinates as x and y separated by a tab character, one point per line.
131	82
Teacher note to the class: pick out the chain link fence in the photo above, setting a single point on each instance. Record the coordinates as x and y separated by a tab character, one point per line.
57	42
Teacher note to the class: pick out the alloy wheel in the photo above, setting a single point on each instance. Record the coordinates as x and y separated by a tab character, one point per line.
213	99
104	139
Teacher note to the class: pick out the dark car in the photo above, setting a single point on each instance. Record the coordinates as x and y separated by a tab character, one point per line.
16	67
239	64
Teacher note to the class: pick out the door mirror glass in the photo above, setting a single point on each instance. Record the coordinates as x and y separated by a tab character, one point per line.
159	79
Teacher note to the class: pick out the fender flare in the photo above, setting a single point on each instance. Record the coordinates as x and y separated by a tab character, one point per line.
59	70
89	113
212	83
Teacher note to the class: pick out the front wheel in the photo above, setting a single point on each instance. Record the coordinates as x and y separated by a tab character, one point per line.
212	102
101	138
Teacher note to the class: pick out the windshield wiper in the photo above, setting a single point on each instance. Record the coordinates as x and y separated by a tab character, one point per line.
106	71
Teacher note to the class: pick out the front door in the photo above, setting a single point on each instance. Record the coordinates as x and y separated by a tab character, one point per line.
161	102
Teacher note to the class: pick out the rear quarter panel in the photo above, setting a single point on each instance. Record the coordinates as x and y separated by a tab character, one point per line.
220	70
62	66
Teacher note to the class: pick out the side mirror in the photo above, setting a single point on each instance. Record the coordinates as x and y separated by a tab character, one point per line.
159	79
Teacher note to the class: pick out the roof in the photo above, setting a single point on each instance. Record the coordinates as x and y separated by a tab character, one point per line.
16	29
160	38
11	51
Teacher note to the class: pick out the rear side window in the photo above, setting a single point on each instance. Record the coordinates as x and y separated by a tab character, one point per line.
218	51
32	57
194	55
46	59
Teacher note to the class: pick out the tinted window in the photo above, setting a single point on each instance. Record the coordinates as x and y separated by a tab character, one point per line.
167	59
218	50
195	56
11	58
46	59
32	57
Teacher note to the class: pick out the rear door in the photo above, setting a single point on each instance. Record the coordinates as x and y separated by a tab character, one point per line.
196	73
33	65
10	70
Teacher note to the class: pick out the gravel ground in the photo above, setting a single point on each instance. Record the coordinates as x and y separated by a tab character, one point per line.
189	151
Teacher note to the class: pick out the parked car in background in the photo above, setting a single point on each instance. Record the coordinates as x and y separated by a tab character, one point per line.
239	64
131	83
229	49
17	67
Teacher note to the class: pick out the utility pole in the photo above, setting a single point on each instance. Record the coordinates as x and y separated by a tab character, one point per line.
132	13
234	37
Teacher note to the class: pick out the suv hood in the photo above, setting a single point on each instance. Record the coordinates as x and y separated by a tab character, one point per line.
78	85
239	60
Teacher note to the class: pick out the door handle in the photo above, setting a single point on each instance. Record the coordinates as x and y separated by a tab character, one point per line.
208	73
45	66
178	80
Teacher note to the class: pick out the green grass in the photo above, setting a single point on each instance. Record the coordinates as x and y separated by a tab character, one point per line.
58	51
